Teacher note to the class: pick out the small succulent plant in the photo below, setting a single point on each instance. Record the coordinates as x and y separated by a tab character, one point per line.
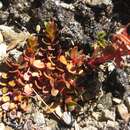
52	71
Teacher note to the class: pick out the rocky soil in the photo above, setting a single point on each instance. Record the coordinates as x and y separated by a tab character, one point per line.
79	22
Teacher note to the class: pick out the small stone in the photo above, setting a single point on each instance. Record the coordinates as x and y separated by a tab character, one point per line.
123	112
38	28
100	106
127	100
2	126
116	100
51	124
3	49
39	118
58	111
99	2
106	100
1	38
113	124
109	115
97	115
67	117
90	128
8	128
111	67
1	5
16	54
101	125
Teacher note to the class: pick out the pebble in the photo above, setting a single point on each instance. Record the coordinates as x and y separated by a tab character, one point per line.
51	124
1	38
16	54
116	100
106	100
109	115
100	106
111	67
8	128
127	100
98	2
97	115
58	111
39	118
67	117
1	5
123	112
113	125
90	128
3	49
2	126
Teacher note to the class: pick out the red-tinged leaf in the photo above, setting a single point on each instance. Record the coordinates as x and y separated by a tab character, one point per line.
93	62
50	66
38	64
33	42
12	83
63	60
120	47
70	103
29	53
70	67
54	92
52	82
77	56
51	30
74	53
118	60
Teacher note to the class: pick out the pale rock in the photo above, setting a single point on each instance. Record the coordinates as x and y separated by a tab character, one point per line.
39	118
2	126
100	106
123	112
90	128
67	117
51	124
97	115
8	128
76	126
109	115
12	38
113	124
98	2
127	100
16	54
1	38
1	5
111	67
3	49
116	100
58	111
101	125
